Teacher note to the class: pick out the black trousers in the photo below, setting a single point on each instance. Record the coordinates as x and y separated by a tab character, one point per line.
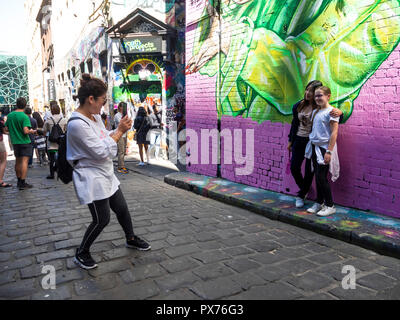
52	162
324	193
100	211
298	151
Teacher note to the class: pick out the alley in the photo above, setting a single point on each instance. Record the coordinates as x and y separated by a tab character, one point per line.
201	249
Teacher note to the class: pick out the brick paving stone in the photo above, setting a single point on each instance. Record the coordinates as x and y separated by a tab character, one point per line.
386	261
210	245
291	241
310	281
30	251
272	273
178	251
266	258
116	253
242	265
60	293
8	276
60	254
180	264
180	294
238	251
271	291
211	256
216	289
264	246
137	291
362	264
325	258
357	294
314	247
16	264
248	279
70	243
320	296
180	240
110	267
376	281
149	258
36	270
68	276
95	286
15	246
142	272
212	271
53	238
174	281
206	236
18	289
300	266
4	256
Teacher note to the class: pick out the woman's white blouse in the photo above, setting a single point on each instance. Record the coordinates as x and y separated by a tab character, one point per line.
93	177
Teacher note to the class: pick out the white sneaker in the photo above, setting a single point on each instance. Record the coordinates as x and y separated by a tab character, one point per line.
299	202
315	208
141	164
326	211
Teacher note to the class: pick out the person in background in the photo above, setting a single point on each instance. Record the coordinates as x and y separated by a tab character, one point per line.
56	118
34	126
18	126
40	124
142	126
155	132
123	141
3	155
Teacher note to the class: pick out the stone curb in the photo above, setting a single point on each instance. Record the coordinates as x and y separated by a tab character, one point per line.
360	237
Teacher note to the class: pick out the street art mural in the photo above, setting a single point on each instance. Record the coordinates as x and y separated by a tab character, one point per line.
270	50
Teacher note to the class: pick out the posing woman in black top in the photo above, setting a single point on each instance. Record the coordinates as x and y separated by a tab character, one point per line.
298	139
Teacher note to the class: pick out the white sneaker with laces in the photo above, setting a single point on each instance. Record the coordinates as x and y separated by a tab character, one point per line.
315	208
326	211
299	202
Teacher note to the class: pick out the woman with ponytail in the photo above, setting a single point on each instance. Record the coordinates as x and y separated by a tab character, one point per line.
90	150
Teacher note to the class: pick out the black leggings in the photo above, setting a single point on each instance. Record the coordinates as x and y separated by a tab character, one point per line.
298	151
324	193
52	162
100	211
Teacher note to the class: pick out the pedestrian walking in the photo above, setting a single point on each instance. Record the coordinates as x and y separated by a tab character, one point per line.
299	138
40	141
3	155
91	149
156	131
323	151
18	126
40	123
123	141
142	126
56	119
34	126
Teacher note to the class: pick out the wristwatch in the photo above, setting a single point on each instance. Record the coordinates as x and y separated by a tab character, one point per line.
328	151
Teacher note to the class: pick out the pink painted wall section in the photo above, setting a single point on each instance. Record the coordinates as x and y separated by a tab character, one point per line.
200	108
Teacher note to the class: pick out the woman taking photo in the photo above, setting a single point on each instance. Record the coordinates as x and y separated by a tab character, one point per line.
323	152
91	149
299	138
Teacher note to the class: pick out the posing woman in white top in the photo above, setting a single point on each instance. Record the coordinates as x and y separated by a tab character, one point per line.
91	149
323	152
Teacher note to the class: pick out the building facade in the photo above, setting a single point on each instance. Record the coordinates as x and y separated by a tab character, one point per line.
248	63
13	81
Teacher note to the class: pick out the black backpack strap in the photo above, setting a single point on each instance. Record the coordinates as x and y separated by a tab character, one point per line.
76	118
60	120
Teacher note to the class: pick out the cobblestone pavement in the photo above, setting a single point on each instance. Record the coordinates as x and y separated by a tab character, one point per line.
201	249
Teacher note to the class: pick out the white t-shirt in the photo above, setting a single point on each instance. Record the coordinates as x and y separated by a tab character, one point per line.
93	177
321	130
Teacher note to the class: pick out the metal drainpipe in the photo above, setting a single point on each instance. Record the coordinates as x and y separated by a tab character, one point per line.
219	88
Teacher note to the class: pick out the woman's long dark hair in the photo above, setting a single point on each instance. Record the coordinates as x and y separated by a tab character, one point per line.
38	118
313	85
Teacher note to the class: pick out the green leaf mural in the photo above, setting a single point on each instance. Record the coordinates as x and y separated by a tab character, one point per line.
271	49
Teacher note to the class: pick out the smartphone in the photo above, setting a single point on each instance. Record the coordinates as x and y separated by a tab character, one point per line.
124	109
